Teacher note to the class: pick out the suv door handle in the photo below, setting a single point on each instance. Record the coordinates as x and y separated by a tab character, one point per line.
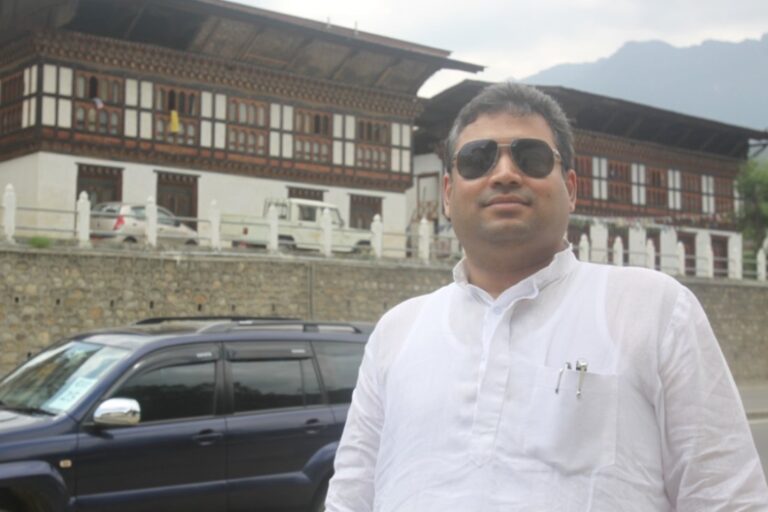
312	426
207	437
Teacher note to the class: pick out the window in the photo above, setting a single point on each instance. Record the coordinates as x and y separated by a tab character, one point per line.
657	187
312	150
707	194
691	192
307	213
724	195
372	157
247	140
583	168
186	133
173	392
11	104
245	112
313	123
102	184
313	136
339	363
674	194
97	118
305	193
178	193
619	188
373	132
182	101
274	384
599	178
101	89
362	210
638	184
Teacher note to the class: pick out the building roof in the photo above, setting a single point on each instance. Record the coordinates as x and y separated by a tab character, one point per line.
222	29
602	114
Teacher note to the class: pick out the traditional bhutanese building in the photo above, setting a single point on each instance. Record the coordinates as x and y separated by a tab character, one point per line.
643	174
199	100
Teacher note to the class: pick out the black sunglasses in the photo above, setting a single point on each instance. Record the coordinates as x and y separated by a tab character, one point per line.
532	156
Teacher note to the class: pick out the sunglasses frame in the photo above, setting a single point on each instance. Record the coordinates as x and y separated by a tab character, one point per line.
511	145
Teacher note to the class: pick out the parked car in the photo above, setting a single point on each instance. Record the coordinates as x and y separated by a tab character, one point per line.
125	222
299	227
202	414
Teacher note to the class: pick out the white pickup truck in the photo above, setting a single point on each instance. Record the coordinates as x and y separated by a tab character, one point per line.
299	227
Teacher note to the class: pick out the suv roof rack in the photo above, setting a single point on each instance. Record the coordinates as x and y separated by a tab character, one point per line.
284	325
274	323
164	319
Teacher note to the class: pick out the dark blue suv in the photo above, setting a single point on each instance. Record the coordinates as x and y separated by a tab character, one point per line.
179	414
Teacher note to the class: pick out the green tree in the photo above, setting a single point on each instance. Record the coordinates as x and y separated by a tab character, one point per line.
752	185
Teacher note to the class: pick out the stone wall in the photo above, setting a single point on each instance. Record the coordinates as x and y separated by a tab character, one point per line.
48	294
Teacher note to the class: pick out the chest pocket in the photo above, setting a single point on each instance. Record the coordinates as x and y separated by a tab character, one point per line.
574	433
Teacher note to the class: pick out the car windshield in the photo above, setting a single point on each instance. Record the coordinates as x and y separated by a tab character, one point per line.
54	381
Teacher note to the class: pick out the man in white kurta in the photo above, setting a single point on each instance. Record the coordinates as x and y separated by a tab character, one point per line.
535	382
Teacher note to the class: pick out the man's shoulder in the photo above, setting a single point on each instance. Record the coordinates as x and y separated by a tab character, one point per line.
641	287
409	310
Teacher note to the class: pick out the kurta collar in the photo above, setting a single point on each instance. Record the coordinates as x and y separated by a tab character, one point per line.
562	263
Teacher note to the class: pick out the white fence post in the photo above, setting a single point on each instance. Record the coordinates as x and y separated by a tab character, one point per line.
703	254
618	252
598	235
377	232
214	216
650	254
584	247
424	239
735	253
9	213
761	265
327	226
272	243
668	250
680	258
151	225
83	220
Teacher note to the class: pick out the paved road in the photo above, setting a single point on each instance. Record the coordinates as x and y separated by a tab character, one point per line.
755	399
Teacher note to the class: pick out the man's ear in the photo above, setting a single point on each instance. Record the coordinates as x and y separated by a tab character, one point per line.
571	184
447	184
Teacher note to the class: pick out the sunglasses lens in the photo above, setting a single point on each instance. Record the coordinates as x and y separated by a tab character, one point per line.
476	158
534	157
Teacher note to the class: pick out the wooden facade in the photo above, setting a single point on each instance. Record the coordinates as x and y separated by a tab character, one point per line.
635	163
210	87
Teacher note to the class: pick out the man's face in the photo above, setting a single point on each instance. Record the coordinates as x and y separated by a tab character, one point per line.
505	207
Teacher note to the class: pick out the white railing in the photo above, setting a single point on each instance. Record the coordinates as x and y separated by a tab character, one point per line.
417	243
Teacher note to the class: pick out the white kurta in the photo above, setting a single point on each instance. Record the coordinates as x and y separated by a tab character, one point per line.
456	406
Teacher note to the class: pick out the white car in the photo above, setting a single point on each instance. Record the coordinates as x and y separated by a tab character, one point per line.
124	222
299	227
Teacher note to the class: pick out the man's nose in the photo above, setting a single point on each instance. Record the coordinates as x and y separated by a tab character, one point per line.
506	170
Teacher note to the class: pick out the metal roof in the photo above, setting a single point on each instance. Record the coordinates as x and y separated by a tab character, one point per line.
602	114
221	29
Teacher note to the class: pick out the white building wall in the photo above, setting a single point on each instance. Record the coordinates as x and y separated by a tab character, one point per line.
49	180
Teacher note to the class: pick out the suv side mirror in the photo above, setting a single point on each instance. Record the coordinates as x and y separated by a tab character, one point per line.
118	412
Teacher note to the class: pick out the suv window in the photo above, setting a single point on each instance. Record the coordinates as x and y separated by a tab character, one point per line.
173	392
339	363
274	383
307	213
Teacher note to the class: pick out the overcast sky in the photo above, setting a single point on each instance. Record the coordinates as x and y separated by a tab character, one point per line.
515	39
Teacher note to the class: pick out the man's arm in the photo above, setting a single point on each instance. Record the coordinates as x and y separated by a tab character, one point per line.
352	487
710	460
